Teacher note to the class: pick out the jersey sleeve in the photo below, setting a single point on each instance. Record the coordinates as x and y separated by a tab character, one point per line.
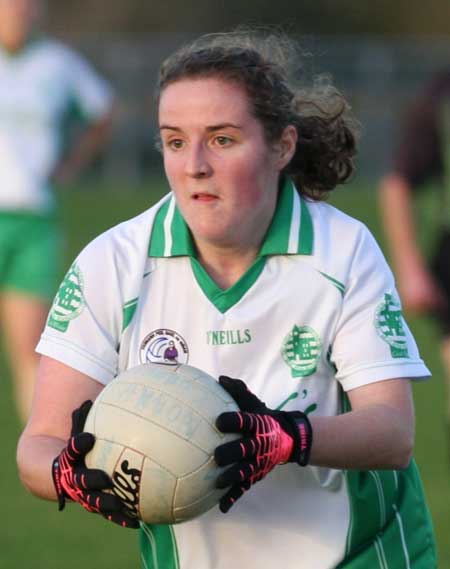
84	324
372	341
91	94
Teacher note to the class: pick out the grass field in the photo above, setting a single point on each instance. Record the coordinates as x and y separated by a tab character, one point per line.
35	536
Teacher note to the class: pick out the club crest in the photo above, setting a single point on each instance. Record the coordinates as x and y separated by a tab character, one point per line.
69	300
301	350
389	325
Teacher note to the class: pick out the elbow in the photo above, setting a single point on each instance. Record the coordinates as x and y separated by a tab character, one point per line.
25	468
21	466
403	454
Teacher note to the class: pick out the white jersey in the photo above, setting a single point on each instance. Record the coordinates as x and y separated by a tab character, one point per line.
315	316
39	86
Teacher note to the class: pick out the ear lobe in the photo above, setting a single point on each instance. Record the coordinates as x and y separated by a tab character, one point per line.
287	145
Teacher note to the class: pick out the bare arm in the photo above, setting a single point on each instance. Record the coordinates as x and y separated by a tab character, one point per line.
398	219
85	149
59	390
417	288
378	432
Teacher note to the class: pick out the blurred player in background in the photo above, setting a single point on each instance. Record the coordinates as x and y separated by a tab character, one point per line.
41	83
244	246
422	161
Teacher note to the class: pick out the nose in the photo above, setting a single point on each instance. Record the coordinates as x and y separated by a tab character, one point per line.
197	164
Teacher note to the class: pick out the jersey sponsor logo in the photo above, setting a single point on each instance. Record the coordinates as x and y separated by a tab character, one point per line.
228	337
301	350
69	300
389	325
164	346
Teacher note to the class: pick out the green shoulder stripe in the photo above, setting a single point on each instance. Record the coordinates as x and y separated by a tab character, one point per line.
129	308
340	286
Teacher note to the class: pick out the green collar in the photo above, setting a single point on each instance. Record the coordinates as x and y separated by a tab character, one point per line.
290	232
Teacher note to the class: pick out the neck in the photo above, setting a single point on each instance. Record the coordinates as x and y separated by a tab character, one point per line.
225	265
13	46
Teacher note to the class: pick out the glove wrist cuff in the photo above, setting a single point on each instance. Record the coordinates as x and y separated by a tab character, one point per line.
302	434
56	476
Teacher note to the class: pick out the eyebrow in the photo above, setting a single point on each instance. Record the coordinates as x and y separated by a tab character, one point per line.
211	128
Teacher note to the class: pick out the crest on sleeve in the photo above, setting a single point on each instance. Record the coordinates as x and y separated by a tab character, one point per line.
389	325
69	300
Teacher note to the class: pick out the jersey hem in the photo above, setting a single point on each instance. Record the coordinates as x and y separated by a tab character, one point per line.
366	375
76	359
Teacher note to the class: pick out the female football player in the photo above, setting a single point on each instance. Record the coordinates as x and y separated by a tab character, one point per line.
245	245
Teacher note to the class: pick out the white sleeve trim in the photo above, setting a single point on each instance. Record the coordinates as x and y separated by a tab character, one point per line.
364	375
76	358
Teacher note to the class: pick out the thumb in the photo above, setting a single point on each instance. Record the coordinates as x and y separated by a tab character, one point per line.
79	445
79	417
245	399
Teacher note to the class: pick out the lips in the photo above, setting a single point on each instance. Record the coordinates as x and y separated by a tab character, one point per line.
204	197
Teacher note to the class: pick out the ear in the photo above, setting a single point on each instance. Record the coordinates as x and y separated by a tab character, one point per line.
286	146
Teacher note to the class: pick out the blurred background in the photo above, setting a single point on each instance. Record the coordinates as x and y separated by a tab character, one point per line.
379	54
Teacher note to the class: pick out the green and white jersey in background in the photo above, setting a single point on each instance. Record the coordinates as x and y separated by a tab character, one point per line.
315	316
38	87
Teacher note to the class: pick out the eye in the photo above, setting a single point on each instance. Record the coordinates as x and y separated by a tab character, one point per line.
223	140
174	143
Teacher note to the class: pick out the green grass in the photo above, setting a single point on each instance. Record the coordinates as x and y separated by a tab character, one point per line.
35	536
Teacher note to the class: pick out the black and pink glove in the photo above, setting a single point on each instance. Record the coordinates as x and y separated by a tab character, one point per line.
74	481
270	438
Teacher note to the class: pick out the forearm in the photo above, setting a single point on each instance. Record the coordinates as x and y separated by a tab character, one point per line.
398	218
84	150
35	455
374	437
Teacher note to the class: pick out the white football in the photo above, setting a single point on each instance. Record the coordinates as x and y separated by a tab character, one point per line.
155	436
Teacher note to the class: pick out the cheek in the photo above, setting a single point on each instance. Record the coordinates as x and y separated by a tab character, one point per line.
254	176
171	167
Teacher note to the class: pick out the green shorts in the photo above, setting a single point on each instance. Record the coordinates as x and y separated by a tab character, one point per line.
30	254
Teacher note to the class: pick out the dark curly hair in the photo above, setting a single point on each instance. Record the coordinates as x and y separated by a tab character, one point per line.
266	65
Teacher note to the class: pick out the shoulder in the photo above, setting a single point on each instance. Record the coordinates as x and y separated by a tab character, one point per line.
54	47
56	54
334	229
127	243
343	245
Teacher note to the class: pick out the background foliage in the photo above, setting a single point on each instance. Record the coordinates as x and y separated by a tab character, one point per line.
413	17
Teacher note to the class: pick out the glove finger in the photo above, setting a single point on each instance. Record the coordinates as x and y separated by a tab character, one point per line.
235	451
79	416
235	422
79	445
121	519
231	497
92	479
241	472
246	400
102	502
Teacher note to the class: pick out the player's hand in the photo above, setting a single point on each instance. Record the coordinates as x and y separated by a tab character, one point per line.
270	438
74	481
419	290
